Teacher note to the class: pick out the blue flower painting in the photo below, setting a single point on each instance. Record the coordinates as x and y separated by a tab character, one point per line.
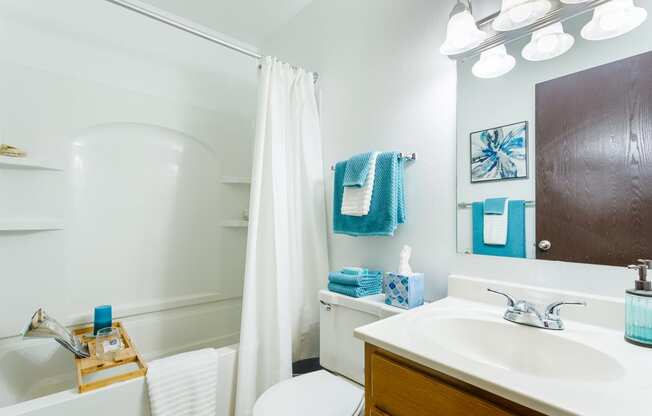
499	153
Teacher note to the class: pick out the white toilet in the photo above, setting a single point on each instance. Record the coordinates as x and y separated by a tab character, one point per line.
338	391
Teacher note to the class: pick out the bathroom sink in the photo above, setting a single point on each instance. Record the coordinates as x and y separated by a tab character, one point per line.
517	348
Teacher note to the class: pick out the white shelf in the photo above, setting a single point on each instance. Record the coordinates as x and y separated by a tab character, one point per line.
235	223
40	224
236	180
26	163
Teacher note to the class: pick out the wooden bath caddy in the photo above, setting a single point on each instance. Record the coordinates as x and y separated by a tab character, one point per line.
87	366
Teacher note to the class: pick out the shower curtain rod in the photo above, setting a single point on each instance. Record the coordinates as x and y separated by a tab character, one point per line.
181	26
189	29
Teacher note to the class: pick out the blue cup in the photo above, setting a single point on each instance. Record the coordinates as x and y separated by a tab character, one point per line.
103	318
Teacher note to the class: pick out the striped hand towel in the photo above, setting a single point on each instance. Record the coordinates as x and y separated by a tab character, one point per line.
184	384
371	279
354	291
356	201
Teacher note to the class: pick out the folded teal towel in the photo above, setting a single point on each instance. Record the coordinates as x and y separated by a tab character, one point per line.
354	270
354	291
362	280
357	169
494	206
387	209
515	246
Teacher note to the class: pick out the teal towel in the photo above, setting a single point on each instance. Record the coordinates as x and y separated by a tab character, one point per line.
354	270
387	209
363	280
515	246
354	291
357	169
494	206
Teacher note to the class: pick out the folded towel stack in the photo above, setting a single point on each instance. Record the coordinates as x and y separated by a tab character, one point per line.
355	282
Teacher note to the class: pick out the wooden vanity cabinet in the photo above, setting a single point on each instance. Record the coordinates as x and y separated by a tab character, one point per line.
395	386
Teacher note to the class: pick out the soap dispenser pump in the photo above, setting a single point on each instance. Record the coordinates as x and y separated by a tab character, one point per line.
638	307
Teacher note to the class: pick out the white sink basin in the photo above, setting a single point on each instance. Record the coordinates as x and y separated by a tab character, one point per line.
518	348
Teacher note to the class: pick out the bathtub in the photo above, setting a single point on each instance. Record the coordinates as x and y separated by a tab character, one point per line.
38	380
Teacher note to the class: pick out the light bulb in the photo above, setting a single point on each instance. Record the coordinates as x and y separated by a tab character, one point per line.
462	33
493	63
520	14
548	43
612	19
515	14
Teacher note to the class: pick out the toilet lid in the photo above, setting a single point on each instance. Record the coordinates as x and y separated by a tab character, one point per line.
316	394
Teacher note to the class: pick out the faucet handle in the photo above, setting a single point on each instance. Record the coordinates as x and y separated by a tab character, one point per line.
511	302
552	311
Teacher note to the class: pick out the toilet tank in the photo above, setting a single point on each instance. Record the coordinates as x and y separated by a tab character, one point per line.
339	351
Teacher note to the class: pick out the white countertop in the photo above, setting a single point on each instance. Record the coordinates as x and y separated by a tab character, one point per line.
576	387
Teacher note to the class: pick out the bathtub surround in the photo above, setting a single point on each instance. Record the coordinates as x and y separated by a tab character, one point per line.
139	141
286	246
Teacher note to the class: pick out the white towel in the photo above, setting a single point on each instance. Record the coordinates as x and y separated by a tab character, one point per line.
357	201
184	384
495	227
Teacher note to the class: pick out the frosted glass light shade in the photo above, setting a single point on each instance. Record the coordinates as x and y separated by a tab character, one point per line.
574	1
494	63
547	43
462	34
515	14
613	19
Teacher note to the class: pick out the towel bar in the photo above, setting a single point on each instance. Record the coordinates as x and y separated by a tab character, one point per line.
462	205
407	156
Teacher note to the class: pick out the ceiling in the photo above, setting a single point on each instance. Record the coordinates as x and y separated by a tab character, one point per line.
249	21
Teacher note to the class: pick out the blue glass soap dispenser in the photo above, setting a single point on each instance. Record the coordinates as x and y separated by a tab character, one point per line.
638	307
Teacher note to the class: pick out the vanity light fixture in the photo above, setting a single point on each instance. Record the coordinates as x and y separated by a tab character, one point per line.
574	1
462	33
494	63
515	14
547	43
613	19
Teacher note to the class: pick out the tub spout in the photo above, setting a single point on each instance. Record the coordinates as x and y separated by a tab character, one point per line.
43	326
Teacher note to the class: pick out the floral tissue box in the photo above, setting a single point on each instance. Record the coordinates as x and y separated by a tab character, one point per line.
404	291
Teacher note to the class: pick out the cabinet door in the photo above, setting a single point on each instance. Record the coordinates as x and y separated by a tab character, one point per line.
375	412
402	391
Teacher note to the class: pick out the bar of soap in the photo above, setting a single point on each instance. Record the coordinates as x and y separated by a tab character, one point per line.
404	291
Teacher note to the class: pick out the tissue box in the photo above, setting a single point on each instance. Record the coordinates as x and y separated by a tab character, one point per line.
404	291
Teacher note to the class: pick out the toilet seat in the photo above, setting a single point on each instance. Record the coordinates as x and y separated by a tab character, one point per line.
316	394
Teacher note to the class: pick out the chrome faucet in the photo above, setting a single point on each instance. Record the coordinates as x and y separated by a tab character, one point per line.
43	326
525	313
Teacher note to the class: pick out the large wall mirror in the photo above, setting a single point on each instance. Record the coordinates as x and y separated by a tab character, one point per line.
555	156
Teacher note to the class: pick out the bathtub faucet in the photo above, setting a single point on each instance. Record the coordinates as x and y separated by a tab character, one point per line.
43	326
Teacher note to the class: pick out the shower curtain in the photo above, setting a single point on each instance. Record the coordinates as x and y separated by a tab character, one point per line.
287	258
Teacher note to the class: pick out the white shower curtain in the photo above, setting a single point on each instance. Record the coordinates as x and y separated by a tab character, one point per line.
287	258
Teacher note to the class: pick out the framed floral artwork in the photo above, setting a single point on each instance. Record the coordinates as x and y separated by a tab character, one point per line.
500	153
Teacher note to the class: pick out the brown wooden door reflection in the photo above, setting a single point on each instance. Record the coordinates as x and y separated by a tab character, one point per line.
594	164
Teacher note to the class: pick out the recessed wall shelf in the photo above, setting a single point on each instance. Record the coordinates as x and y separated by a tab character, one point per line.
26	163
41	224
235	223
236	180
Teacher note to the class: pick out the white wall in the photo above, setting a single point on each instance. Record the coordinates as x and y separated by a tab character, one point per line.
385	86
144	120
